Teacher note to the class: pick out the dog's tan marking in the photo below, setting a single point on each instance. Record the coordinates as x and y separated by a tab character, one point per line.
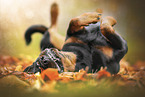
56	39
74	40
109	20
108	51
68	61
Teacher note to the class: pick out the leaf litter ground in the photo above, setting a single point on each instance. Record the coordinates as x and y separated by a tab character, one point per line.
129	82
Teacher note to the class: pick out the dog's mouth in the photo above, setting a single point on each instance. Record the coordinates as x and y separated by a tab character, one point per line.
49	58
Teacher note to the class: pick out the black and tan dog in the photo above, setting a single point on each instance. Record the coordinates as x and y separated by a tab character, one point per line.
90	42
76	52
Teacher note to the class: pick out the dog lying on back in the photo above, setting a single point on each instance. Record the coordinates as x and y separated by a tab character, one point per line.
91	42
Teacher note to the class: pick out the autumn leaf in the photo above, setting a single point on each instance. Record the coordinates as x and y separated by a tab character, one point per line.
80	75
50	74
103	73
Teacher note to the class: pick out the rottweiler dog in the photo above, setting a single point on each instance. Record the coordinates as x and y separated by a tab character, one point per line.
90	42
76	52
51	39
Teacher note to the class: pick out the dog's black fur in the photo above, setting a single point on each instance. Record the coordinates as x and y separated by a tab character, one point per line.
83	53
118	46
83	50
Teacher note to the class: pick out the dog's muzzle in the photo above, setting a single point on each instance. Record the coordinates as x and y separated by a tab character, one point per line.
49	58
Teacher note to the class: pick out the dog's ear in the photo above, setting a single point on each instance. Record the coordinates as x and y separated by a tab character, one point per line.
78	23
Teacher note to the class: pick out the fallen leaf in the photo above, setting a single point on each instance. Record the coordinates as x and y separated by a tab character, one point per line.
103	73
50	74
80	75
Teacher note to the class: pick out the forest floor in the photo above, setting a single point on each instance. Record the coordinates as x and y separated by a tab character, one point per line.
129	82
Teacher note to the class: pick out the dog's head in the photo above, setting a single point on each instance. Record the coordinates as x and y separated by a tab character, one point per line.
49	58
52	58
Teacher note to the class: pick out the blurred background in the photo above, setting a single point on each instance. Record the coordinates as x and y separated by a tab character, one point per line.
17	15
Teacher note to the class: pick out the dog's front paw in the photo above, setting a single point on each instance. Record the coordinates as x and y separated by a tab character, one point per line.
85	19
107	24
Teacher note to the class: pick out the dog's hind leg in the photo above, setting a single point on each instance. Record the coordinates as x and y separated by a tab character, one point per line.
55	38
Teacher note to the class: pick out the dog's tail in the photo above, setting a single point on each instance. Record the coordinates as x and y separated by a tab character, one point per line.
41	28
33	29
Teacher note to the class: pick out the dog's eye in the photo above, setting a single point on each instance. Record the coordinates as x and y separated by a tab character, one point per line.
45	61
42	58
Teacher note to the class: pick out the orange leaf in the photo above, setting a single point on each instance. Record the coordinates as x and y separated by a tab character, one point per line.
80	75
50	74
103	73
